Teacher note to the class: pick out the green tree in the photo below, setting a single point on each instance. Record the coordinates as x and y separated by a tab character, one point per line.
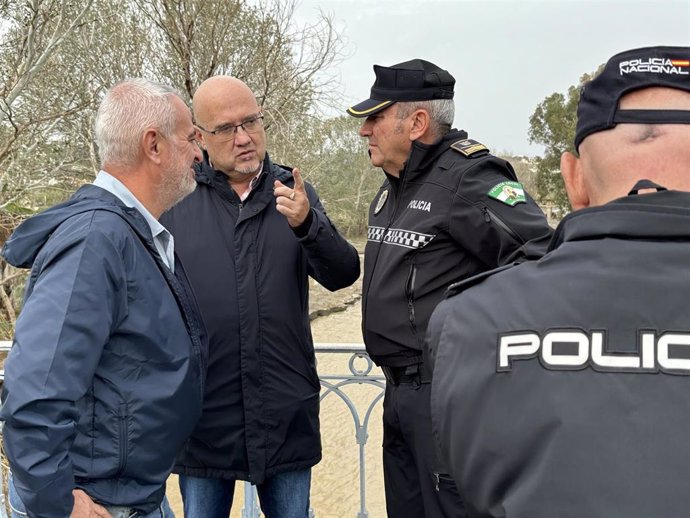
333	158
58	56
338	166
553	125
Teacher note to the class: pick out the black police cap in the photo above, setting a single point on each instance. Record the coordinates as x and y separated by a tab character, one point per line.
628	71
415	80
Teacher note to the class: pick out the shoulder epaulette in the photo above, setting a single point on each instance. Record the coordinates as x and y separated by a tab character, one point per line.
469	147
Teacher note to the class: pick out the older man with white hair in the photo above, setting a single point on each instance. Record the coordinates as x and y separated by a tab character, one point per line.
105	377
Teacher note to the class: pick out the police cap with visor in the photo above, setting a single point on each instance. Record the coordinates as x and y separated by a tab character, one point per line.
415	80
628	71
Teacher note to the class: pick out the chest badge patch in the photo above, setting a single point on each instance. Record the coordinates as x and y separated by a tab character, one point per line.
510	193
381	202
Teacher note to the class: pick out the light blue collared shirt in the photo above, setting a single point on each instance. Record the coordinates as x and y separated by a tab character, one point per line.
161	237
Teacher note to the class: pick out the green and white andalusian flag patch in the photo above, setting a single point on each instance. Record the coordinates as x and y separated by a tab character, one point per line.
510	193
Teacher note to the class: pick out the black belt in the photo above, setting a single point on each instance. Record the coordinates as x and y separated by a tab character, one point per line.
416	373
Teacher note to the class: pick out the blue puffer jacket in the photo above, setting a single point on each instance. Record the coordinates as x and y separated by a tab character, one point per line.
105	378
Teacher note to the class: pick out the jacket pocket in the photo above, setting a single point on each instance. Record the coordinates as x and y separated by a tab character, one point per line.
410	294
491	217
122	438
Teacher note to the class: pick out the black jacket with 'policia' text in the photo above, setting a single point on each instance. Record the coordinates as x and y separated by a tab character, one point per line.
455	211
561	385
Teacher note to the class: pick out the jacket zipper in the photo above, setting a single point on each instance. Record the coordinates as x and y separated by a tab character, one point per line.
442	477
490	216
393	191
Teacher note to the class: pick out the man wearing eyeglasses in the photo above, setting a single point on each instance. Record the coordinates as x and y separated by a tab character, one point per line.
249	237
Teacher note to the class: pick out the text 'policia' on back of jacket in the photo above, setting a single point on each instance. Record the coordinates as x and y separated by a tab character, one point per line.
561	385
446	218
126	371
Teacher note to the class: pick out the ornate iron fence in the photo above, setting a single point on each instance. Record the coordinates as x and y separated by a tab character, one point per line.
334	384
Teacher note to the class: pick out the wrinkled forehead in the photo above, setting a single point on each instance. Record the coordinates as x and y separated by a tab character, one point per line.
184	114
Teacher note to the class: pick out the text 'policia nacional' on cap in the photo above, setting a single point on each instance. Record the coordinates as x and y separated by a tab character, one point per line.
628	71
415	80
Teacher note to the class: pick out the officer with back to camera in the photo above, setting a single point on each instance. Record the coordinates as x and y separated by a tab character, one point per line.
561	386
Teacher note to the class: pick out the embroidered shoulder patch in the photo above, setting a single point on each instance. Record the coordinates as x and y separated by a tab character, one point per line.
468	147
510	193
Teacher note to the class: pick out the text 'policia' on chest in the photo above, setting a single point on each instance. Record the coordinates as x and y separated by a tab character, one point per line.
420	205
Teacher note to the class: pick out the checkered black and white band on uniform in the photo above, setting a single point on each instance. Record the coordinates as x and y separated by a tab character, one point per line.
399	237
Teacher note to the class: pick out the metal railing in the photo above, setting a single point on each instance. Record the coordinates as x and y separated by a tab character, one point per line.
5	346
334	384
331	384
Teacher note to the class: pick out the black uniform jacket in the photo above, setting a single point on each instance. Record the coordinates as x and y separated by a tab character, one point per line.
435	225
249	271
561	386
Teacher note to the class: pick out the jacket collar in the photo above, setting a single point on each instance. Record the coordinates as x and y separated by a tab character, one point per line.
206	174
658	216
422	155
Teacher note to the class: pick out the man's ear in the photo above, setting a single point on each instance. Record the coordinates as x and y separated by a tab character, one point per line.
421	124
151	145
200	138
571	170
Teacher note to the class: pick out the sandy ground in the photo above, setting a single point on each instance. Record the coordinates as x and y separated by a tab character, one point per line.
335	481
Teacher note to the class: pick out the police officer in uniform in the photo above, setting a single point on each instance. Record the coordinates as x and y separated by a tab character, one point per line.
561	385
441	215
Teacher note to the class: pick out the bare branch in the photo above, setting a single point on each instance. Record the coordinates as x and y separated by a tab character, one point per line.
34	63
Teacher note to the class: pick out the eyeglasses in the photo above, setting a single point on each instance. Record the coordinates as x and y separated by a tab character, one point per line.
228	131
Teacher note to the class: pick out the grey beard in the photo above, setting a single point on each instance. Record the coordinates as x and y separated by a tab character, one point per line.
250	171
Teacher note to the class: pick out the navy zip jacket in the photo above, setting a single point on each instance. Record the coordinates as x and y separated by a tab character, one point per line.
250	272
104	381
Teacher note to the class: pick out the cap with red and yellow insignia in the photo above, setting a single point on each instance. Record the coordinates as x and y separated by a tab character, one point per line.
631	70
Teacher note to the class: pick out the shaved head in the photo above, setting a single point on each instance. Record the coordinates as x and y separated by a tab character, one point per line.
219	91
613	160
223	101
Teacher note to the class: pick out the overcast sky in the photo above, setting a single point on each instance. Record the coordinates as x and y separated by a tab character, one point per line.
506	56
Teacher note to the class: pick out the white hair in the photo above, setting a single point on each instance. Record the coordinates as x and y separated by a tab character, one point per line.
441	112
128	109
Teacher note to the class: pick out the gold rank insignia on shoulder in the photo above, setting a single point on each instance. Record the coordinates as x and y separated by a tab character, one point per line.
468	147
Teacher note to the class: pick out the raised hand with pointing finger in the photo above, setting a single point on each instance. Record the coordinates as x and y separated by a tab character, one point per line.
252	283
292	203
